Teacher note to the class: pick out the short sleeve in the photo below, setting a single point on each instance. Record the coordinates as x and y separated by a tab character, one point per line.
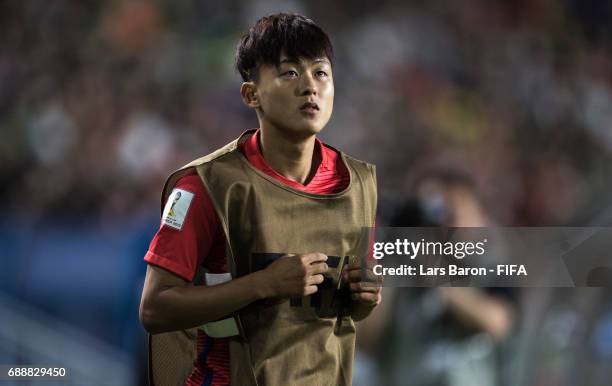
188	229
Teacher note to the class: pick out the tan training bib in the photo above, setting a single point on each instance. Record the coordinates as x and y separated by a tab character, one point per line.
300	341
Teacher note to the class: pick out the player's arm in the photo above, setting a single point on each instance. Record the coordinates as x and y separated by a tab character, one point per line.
170	302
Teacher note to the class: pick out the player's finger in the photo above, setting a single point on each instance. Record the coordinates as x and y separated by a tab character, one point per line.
317	268
355	264
314	258
309	290
364	286
315	279
365	297
356	275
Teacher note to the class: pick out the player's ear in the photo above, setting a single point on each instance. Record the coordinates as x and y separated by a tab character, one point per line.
248	90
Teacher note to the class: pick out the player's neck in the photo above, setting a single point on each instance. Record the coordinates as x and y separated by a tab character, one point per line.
288	155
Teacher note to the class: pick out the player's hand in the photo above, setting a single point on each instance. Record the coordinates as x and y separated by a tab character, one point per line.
296	275
364	285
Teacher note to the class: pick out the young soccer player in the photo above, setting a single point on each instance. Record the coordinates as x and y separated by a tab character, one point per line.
280	214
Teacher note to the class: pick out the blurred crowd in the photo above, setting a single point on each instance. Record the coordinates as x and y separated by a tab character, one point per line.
100	101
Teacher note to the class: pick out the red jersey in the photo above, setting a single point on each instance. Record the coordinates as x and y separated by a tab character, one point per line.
200	241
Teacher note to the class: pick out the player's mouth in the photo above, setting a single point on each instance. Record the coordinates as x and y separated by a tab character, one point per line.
309	108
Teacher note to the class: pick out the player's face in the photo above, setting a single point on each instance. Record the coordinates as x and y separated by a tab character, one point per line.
284	90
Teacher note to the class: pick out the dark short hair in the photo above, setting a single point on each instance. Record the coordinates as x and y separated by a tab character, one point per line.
295	35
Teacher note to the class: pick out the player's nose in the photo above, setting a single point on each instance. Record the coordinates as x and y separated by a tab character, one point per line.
308	85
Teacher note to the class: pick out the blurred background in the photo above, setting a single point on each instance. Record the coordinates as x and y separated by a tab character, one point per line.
475	112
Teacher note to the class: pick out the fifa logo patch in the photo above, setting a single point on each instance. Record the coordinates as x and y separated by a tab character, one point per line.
176	208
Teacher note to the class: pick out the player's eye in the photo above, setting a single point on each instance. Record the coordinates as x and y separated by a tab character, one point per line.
321	73
290	73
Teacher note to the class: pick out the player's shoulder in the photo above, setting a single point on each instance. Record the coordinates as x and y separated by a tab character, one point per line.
359	162
191	169
350	160
190	181
223	152
218	154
